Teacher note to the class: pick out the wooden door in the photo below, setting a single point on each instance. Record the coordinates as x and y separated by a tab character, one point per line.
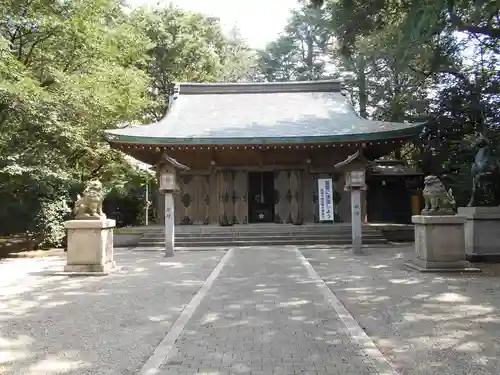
201	199
288	194
282	196
240	201
296	197
192	200
225	180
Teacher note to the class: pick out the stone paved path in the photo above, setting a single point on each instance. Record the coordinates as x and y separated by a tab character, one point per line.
265	315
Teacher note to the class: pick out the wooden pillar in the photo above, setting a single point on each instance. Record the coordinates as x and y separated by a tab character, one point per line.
415	202
213	197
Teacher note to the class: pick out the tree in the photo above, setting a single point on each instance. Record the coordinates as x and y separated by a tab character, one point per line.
70	72
187	47
71	69
238	58
301	52
450	49
277	62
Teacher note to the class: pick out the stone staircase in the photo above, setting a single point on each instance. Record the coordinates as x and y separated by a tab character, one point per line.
259	235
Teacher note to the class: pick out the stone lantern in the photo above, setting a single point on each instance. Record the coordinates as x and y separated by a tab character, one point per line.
167	174
354	168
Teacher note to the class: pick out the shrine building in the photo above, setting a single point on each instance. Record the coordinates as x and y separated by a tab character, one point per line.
274	152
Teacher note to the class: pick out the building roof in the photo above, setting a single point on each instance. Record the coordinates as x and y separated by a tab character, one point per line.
260	113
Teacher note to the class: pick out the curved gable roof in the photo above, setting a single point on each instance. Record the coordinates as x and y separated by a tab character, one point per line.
260	113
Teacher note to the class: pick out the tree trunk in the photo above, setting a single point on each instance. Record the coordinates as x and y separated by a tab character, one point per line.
363	94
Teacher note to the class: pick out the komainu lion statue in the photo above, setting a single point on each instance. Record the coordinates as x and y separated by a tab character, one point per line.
438	201
89	206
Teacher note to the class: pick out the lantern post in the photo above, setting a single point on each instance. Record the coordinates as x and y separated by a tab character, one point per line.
167	170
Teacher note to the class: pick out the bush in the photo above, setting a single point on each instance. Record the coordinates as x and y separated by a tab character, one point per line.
125	206
49	222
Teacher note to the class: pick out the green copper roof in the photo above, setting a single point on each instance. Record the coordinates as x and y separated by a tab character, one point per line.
261	113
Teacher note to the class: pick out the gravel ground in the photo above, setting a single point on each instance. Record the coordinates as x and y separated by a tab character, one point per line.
93	325
446	324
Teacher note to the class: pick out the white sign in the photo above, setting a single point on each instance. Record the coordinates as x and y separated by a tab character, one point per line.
167	181
325	196
357	178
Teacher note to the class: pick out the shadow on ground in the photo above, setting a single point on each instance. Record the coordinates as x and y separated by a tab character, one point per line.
93	325
447	324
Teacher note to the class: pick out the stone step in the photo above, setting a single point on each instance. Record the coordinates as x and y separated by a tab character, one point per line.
330	238
259	235
230	231
251	229
296	238
253	235
216	236
259	242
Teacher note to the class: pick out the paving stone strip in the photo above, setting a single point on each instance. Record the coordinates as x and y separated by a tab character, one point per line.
266	314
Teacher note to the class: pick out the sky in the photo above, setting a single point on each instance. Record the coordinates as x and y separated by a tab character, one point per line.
259	21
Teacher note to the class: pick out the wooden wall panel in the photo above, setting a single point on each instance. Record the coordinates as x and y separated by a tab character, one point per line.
343	206
180	210
315	197
308	197
189	200
240	197
160	208
214	198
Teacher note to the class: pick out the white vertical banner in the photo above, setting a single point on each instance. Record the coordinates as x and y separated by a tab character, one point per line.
325	196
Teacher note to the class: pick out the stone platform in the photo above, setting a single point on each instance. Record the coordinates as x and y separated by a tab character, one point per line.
261	234
439	244
482	232
90	247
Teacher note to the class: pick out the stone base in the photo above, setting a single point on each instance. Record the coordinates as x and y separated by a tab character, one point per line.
90	247
482	232
88	269
439	244
424	266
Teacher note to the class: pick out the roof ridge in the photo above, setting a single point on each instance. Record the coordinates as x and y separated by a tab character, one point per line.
189	88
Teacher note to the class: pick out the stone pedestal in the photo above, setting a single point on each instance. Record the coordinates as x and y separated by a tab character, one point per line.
169	225
90	247
439	244
356	221
482	232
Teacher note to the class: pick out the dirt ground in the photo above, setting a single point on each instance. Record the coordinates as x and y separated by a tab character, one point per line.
22	246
